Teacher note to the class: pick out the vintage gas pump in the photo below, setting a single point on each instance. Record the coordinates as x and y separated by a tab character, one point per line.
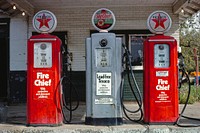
103	72
160	72
43	73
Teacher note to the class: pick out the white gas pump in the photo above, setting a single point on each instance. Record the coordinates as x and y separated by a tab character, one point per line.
103	72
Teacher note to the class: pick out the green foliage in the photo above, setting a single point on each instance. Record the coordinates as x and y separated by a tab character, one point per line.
190	39
194	94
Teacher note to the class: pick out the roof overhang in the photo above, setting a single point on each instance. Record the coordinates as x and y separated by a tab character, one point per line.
6	7
190	7
186	8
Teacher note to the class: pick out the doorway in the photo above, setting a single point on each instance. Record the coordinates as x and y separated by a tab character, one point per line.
4	54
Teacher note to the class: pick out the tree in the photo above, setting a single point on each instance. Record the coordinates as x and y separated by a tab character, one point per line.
190	39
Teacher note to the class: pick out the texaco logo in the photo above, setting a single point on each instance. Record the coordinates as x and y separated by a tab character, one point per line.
44	22
159	22
103	19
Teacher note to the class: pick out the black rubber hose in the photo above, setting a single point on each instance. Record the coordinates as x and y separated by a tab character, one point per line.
185	105
65	80
139	101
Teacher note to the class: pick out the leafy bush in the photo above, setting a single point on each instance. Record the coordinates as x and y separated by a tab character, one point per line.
194	94
188	41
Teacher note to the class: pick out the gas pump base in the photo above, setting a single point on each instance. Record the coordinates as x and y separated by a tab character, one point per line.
103	121
43	125
160	123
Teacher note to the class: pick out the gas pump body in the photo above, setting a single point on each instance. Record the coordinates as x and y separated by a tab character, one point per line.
160	80
103	76
43	81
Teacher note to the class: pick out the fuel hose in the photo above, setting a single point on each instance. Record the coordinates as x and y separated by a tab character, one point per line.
181	115
66	84
131	77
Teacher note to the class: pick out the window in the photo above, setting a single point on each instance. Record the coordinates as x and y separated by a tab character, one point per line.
133	39
136	48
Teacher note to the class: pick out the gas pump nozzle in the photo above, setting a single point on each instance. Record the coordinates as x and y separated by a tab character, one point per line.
181	66
181	62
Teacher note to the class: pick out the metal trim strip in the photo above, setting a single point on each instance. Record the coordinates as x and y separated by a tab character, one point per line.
161	40
43	39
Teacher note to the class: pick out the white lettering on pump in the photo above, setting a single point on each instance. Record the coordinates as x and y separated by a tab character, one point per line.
162	85
42	79
42	76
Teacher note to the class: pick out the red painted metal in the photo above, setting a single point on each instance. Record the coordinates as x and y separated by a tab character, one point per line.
160	94
43	85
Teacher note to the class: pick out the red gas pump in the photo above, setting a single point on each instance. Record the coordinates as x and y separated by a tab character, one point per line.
43	75
160	72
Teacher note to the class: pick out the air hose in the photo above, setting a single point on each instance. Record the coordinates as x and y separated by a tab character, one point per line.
182	69
130	76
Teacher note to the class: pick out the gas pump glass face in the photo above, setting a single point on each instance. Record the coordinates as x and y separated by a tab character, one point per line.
103	57
42	55
161	55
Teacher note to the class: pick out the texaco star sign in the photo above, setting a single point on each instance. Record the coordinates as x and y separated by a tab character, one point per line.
159	22
44	22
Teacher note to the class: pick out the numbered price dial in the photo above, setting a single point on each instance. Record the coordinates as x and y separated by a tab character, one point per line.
42	55
103	57
161	55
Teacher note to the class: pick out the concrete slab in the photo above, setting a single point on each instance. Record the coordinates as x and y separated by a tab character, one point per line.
16	123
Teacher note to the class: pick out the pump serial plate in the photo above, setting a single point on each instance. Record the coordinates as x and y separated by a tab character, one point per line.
105	100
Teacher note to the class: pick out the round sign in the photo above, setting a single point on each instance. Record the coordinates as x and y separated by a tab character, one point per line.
103	19
159	22
44	21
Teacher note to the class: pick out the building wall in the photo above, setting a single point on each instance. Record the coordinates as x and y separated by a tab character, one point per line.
77	22
18	59
18	43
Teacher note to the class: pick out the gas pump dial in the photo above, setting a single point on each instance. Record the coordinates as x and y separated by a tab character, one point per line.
161	55
42	55
103	58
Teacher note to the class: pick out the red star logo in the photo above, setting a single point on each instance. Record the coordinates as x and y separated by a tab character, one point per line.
44	21
159	21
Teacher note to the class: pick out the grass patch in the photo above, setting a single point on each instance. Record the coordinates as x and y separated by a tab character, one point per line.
194	94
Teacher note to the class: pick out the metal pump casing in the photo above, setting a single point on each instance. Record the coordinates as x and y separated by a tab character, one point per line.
103	79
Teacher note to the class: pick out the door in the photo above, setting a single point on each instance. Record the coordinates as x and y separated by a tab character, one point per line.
4	54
